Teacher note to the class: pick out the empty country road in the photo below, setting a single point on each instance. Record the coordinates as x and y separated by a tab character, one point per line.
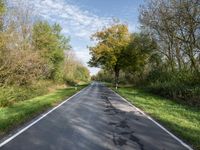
95	119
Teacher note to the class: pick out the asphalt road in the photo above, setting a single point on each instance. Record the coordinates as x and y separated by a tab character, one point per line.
94	119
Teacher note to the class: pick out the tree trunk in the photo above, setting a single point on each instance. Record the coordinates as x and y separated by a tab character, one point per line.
192	59
193	64
170	57
178	57
116	76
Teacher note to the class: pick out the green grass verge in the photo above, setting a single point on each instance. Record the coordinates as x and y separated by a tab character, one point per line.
18	113
182	120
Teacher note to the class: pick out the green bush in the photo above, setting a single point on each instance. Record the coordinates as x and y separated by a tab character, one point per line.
12	94
71	82
177	85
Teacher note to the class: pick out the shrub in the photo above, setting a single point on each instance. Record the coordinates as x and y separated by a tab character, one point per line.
177	85
12	94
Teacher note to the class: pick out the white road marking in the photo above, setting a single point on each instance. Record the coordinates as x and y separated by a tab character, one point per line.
37	120
171	134
44	115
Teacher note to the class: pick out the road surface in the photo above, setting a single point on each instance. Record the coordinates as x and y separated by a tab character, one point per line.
94	119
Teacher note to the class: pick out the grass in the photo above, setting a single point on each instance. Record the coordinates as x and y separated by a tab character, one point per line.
182	120
20	112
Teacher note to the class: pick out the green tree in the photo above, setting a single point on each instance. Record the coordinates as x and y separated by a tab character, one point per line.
108	52
82	73
103	75
19	64
74	70
51	44
174	24
140	52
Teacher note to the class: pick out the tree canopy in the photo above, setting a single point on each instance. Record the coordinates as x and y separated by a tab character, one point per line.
51	44
163	56
107	53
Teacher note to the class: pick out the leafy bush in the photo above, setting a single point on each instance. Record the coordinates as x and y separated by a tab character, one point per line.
71	82
178	85
31	52
12	94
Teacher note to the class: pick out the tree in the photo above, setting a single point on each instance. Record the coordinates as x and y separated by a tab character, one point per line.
175	25
19	64
139	57
82	73
2	10
74	70
139	52
51	44
103	75
21	68
107	53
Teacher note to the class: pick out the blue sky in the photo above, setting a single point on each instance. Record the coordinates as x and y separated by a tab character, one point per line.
80	18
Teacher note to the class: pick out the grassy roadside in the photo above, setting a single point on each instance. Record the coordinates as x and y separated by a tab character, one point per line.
18	113
182	120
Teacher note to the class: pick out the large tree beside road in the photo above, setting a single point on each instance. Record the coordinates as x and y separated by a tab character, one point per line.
164	56
118	50
108	52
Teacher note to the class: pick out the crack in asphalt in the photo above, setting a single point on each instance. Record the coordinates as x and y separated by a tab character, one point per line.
122	132
95	119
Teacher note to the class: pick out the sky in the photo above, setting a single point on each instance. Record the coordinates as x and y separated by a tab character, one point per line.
81	18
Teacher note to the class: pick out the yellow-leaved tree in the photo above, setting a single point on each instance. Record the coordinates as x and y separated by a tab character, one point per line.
108	52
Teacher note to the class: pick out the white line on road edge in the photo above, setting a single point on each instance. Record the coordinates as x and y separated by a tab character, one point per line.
172	135
37	120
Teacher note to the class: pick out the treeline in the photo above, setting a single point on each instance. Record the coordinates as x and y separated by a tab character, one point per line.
34	55
163	58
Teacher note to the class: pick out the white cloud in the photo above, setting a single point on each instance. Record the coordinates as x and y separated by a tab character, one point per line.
134	27
93	70
80	22
83	55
